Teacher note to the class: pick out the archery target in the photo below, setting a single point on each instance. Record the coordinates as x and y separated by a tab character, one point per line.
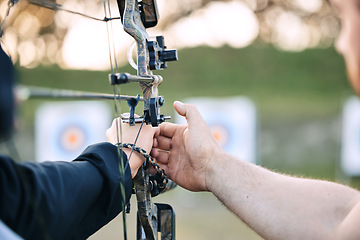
64	129
232	121
220	133
72	137
350	147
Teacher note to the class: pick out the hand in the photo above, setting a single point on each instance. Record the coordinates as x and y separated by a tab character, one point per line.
184	152
129	133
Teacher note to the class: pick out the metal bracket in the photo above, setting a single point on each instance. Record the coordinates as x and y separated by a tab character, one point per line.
151	115
133	102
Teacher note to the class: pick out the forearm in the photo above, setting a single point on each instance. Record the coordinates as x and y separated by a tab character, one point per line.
278	206
63	199
38	199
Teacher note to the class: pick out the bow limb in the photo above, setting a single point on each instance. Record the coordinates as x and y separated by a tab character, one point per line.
134	27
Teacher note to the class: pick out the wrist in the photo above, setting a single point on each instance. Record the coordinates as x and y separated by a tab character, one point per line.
216	164
135	159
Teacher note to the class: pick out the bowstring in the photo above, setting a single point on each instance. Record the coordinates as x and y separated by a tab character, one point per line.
117	107
138	134
58	7
110	33
3	22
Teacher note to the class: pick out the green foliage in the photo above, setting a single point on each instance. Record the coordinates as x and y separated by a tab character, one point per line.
309	81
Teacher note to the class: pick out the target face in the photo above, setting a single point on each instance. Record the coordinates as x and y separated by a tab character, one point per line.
232	121
220	133
72	138
64	129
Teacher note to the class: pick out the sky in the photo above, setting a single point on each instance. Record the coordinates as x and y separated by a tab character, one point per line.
237	27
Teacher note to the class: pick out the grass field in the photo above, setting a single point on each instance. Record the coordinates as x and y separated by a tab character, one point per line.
199	216
298	96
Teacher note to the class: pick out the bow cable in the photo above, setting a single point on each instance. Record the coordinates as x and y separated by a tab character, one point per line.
4	20
58	7
117	106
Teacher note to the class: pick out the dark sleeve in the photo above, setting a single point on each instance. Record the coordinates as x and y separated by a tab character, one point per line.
63	200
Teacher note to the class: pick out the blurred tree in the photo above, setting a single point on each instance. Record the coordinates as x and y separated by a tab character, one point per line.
35	29
289	24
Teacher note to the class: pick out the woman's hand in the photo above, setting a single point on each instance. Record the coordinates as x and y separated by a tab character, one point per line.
146	140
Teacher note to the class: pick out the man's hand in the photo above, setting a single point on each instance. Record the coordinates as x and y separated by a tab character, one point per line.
129	133
184	152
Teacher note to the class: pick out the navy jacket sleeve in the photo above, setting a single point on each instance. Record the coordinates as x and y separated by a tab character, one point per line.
63	200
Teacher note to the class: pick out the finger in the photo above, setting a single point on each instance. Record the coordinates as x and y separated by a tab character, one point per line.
163	143
154	153
162	157
168	129
191	113
157	131
155	143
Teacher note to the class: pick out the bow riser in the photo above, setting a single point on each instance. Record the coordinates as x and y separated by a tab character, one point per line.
134	27
150	55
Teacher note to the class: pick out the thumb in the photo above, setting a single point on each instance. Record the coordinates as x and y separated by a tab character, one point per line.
190	112
180	108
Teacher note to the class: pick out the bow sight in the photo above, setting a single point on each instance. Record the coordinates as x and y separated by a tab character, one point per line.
136	16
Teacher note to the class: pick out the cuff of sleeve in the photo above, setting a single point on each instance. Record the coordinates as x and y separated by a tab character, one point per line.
105	157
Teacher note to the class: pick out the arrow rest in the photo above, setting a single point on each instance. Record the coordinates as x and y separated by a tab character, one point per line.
151	114
132	104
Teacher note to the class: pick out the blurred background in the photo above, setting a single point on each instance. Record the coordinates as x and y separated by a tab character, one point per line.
277	53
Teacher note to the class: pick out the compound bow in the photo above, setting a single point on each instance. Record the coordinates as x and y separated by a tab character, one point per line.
136	16
151	55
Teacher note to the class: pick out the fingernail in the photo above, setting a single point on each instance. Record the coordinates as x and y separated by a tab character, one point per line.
178	103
